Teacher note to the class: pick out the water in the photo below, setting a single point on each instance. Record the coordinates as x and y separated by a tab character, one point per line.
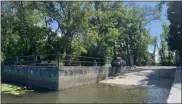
94	93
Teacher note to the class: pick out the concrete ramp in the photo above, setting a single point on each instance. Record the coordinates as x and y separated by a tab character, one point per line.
148	76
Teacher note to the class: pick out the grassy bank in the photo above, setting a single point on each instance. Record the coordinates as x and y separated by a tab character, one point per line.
13	89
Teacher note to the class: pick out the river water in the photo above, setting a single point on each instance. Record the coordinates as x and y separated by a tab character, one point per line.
94	93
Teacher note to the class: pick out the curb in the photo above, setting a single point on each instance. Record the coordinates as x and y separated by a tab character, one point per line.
175	92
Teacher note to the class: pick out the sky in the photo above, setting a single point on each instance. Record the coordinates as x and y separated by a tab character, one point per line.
155	28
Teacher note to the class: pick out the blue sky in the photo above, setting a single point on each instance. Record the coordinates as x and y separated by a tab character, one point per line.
154	27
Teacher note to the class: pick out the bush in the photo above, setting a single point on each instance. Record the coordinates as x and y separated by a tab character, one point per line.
167	62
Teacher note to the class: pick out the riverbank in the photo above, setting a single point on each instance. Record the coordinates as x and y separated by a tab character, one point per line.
158	80
175	93
14	89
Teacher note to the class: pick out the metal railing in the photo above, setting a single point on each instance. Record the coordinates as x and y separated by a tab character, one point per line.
54	60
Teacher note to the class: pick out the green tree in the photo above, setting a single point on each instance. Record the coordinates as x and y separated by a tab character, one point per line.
174	16
175	38
165	53
144	16
89	29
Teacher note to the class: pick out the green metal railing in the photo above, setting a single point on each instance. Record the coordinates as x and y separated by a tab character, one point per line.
54	60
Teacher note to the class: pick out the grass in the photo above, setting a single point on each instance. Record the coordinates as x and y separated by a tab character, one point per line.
13	89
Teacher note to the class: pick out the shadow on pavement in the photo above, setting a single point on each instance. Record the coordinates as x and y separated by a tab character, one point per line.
159	77
162	78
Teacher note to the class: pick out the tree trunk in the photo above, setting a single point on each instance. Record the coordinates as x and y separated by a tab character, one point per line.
128	53
68	50
96	8
135	58
180	57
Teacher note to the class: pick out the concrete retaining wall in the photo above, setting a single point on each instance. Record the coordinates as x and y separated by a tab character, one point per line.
46	77
175	92
72	76
54	77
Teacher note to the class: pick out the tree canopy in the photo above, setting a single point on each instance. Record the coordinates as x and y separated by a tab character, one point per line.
84	28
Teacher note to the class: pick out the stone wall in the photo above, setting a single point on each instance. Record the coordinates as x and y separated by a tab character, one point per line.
72	76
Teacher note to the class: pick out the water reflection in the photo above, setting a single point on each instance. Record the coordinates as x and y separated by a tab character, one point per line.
95	93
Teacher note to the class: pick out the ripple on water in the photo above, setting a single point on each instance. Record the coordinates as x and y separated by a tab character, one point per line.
94	93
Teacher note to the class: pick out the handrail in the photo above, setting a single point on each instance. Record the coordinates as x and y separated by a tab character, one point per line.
52	55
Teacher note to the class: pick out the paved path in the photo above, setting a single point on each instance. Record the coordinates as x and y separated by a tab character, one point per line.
144	76
157	79
175	93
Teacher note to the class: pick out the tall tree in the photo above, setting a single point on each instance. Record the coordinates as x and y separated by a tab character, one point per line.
145	15
70	16
175	33
174	16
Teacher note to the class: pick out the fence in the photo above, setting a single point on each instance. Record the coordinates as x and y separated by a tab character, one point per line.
55	60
